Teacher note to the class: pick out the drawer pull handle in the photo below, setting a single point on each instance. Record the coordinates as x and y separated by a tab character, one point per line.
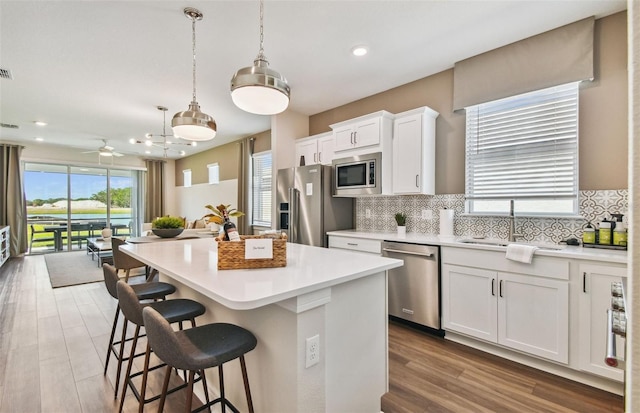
353	244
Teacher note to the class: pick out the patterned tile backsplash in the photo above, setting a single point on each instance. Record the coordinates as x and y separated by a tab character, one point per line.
594	207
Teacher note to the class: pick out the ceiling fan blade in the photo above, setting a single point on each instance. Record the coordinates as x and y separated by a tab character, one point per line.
109	148
117	154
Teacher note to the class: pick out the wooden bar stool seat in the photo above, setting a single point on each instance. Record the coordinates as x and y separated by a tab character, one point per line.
197	349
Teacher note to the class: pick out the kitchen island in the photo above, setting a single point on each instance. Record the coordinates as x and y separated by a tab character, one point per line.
339	296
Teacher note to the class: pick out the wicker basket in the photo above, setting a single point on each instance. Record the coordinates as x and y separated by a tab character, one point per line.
231	255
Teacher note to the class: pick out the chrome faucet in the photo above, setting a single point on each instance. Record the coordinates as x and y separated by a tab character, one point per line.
512	224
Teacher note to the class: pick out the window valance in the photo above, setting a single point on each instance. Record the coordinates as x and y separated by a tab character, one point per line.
552	58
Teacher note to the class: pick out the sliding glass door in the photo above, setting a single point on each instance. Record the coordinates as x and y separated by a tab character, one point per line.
68	204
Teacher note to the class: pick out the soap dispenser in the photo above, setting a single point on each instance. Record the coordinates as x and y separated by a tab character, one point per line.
605	232
589	234
619	232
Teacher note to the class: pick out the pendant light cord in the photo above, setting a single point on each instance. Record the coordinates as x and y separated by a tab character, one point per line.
261	51
193	40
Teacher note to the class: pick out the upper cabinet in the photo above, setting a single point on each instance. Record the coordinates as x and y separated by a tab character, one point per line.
316	149
414	149
365	131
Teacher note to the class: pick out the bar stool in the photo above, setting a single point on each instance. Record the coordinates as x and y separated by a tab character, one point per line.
126	262
197	349
173	311
145	291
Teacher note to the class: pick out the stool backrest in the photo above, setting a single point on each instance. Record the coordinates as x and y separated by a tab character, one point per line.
129	303
121	260
110	279
162	338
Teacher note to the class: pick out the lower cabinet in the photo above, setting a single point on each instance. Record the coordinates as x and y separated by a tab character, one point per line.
522	312
356	244
594	300
5	238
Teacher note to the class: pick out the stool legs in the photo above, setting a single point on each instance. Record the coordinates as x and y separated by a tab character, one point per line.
129	365
245	379
113	333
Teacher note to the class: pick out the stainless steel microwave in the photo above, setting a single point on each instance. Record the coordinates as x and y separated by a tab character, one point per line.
357	175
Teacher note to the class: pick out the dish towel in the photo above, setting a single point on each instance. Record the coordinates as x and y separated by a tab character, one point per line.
521	253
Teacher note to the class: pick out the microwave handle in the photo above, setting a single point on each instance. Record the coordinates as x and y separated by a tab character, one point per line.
294	209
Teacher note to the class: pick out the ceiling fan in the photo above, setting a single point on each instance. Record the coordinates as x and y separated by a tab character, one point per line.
105	150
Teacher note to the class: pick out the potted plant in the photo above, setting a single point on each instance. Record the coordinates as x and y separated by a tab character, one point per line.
217	213
401	220
167	227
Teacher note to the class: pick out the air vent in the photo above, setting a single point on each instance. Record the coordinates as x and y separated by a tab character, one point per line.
9	126
6	74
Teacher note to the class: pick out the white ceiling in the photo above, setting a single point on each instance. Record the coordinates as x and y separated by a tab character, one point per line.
97	70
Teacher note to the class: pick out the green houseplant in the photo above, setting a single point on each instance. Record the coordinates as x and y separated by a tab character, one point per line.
401	220
167	227
217	213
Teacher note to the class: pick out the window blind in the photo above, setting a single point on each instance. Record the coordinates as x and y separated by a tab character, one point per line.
524	147
261	189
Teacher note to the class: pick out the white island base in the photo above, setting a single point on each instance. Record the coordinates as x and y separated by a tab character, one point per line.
339	296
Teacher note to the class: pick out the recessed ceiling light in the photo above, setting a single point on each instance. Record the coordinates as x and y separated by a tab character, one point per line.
40	123
39	139
359	51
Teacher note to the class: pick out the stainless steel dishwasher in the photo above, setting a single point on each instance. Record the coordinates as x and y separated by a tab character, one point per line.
414	288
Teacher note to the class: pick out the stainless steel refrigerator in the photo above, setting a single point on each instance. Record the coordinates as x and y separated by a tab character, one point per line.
306	206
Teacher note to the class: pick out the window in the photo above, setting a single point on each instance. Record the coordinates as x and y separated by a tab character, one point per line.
214	173
261	189
524	148
186	175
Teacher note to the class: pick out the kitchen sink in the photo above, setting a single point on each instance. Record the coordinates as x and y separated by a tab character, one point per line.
504	243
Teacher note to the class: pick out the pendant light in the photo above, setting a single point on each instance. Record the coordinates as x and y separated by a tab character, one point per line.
164	141
192	124
259	89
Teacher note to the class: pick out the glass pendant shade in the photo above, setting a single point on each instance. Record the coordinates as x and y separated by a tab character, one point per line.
259	89
194	125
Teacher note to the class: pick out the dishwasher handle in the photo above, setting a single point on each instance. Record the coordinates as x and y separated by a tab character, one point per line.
407	252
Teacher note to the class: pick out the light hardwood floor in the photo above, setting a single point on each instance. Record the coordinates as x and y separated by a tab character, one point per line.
53	345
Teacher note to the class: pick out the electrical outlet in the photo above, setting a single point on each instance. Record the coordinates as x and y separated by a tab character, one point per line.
313	351
367	213
427	214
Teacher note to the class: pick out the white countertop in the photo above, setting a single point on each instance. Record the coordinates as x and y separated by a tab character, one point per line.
568	251
194	262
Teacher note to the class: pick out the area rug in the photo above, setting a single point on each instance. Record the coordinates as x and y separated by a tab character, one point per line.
72	268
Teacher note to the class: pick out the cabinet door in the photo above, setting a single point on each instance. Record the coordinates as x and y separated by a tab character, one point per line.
533	315
407	155
469	304
595	299
325	150
343	138
367	133
308	149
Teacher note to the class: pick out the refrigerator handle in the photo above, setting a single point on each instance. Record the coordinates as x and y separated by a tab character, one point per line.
294	205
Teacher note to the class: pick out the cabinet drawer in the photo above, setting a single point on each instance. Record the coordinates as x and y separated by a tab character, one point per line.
355	244
549	267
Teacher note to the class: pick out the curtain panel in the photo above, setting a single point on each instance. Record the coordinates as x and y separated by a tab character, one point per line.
13	206
154	196
552	58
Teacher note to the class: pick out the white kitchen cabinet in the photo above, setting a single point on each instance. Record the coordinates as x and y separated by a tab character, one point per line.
316	149
370	246
364	131
469	304
523	312
5	238
595	299
414	152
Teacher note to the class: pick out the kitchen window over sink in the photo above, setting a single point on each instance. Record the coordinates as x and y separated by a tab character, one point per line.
525	148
